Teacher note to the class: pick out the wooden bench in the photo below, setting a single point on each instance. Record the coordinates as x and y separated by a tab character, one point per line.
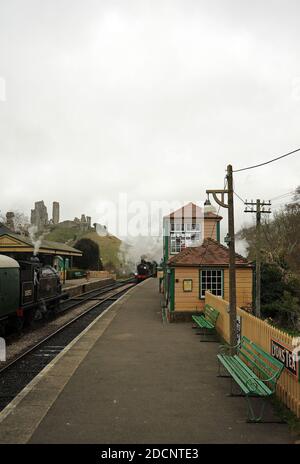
206	322
79	274
255	371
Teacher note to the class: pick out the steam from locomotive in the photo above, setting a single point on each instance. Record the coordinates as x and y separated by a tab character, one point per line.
29	289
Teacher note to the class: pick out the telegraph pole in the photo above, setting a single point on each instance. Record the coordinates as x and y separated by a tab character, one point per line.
258	259
259	210
232	277
231	242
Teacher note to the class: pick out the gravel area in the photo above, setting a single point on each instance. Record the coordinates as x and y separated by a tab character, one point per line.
18	345
23	370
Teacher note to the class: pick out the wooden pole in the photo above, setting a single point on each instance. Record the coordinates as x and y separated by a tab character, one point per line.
232	272
231	243
259	210
258	259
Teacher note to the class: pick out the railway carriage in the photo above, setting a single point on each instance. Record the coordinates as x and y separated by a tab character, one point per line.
28	290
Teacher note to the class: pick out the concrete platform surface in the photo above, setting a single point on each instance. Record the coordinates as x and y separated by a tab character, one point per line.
76	287
76	282
133	379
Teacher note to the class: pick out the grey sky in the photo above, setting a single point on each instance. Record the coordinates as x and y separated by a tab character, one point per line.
152	98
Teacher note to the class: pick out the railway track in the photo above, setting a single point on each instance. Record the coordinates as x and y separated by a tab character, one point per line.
21	369
95	294
64	307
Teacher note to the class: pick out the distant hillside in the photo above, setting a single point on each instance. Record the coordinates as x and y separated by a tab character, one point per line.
109	248
109	245
64	235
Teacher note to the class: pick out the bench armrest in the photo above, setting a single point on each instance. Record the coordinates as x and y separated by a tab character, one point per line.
274	377
252	383
225	349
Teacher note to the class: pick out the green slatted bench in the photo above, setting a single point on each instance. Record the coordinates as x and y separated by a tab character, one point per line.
79	274
206	322
253	370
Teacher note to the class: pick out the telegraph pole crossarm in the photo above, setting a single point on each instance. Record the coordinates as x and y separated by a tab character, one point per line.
258	207
221	201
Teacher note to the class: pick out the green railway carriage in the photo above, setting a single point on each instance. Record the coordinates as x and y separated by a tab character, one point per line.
9	286
28	291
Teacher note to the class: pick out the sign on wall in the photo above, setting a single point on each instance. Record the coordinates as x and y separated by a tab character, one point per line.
286	355
187	285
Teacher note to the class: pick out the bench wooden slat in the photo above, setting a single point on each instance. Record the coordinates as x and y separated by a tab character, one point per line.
202	322
249	373
273	361
208	319
252	363
211	314
256	362
241	374
262	363
255	371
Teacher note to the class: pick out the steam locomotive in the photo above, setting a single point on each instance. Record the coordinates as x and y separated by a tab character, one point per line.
145	269
28	290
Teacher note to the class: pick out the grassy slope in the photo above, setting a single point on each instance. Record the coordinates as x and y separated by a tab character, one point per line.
109	245
63	235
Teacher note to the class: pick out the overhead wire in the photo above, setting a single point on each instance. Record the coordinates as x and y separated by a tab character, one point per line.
238	196
284	195
268	162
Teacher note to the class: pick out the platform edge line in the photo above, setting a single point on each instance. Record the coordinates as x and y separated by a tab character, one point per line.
34	382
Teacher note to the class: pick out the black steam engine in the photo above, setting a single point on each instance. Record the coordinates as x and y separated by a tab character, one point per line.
146	269
40	285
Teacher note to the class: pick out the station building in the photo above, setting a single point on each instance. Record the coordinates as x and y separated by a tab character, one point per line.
196	261
188	226
22	248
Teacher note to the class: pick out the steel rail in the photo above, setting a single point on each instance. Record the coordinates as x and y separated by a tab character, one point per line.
79	299
63	327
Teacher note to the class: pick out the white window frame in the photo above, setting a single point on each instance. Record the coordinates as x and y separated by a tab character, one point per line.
178	226
211	272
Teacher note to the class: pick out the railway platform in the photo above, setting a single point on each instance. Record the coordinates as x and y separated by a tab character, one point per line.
76	287
77	282
132	378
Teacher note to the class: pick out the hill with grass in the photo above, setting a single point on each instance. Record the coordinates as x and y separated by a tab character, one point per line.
109	245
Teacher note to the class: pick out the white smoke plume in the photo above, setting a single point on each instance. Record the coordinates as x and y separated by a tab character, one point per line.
133	249
241	246
37	241
101	230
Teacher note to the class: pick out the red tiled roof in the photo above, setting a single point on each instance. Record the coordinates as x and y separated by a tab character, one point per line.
191	210
210	214
210	253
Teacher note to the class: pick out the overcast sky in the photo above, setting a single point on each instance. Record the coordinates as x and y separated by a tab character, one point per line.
151	98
